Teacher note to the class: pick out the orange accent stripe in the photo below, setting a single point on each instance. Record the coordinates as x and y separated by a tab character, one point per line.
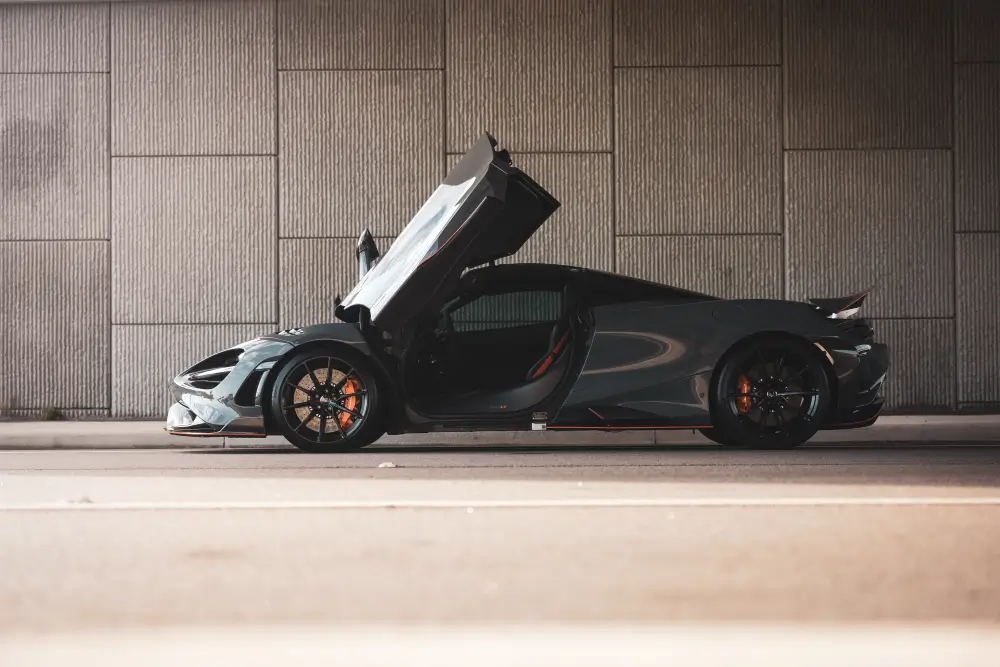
624	428
560	343
543	367
552	355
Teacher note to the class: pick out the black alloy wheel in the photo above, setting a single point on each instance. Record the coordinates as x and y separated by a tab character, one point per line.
326	401
770	395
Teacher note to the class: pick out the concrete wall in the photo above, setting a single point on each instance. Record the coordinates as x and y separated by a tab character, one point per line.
154	156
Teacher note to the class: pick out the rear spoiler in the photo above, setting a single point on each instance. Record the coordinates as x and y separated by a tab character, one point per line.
842	307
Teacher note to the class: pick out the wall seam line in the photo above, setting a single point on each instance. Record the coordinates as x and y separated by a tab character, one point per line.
111	266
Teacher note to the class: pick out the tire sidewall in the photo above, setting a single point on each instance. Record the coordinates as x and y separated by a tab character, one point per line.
370	430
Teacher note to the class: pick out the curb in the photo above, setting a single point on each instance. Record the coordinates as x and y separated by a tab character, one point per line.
895	430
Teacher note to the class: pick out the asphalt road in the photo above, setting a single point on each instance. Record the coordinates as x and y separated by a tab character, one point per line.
843	554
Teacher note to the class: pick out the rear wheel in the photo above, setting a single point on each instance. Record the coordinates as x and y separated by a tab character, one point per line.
327	401
769	394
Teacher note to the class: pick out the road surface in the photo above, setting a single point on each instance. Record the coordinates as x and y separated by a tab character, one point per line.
847	554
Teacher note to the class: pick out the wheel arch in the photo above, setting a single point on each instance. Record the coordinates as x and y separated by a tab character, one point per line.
818	351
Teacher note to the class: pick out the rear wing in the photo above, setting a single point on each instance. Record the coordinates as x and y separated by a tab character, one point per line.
842	307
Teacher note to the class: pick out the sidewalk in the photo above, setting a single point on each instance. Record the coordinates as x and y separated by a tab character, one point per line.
951	429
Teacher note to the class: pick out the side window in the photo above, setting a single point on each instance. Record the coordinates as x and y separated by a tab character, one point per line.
509	309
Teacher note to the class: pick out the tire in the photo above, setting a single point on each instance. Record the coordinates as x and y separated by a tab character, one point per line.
344	415
769	394
711	435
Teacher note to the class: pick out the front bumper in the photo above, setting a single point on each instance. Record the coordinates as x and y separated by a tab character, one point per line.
861	372
223	394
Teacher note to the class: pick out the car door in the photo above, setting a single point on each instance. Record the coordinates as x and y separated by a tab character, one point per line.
498	337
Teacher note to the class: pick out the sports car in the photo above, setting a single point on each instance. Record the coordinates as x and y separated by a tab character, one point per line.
437	336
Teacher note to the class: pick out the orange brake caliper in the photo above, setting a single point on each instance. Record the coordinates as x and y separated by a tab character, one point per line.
351	403
743	403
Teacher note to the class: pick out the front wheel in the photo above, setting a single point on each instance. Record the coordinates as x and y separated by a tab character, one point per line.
326	401
769	394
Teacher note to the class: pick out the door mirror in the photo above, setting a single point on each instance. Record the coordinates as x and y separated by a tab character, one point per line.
366	252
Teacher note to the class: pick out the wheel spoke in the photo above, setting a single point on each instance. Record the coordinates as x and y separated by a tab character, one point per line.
312	413
341	408
336	422
353	394
322	427
343	380
329	372
312	376
799	374
295	406
798	393
297	387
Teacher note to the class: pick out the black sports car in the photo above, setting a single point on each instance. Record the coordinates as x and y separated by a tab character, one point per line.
436	336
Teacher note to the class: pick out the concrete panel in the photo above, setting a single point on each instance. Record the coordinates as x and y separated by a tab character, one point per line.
698	150
534	73
358	149
861	218
978	258
193	78
147	357
54	156
697	32
194	240
582	230
55	305
361	34
862	74
977	147
54	38
726	266
312	273
977	30
922	372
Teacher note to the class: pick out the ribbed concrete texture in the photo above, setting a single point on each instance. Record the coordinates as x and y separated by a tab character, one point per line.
54	304
313	272
727	266
977	147
977	26
698	150
863	74
581	232
147	357
535	72
857	219
54	38
697	32
233	150
922	375
978	257
358	149
193	78
361	34
194	240
54	172
535	306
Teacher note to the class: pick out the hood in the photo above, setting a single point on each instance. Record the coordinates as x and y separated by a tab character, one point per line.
484	210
